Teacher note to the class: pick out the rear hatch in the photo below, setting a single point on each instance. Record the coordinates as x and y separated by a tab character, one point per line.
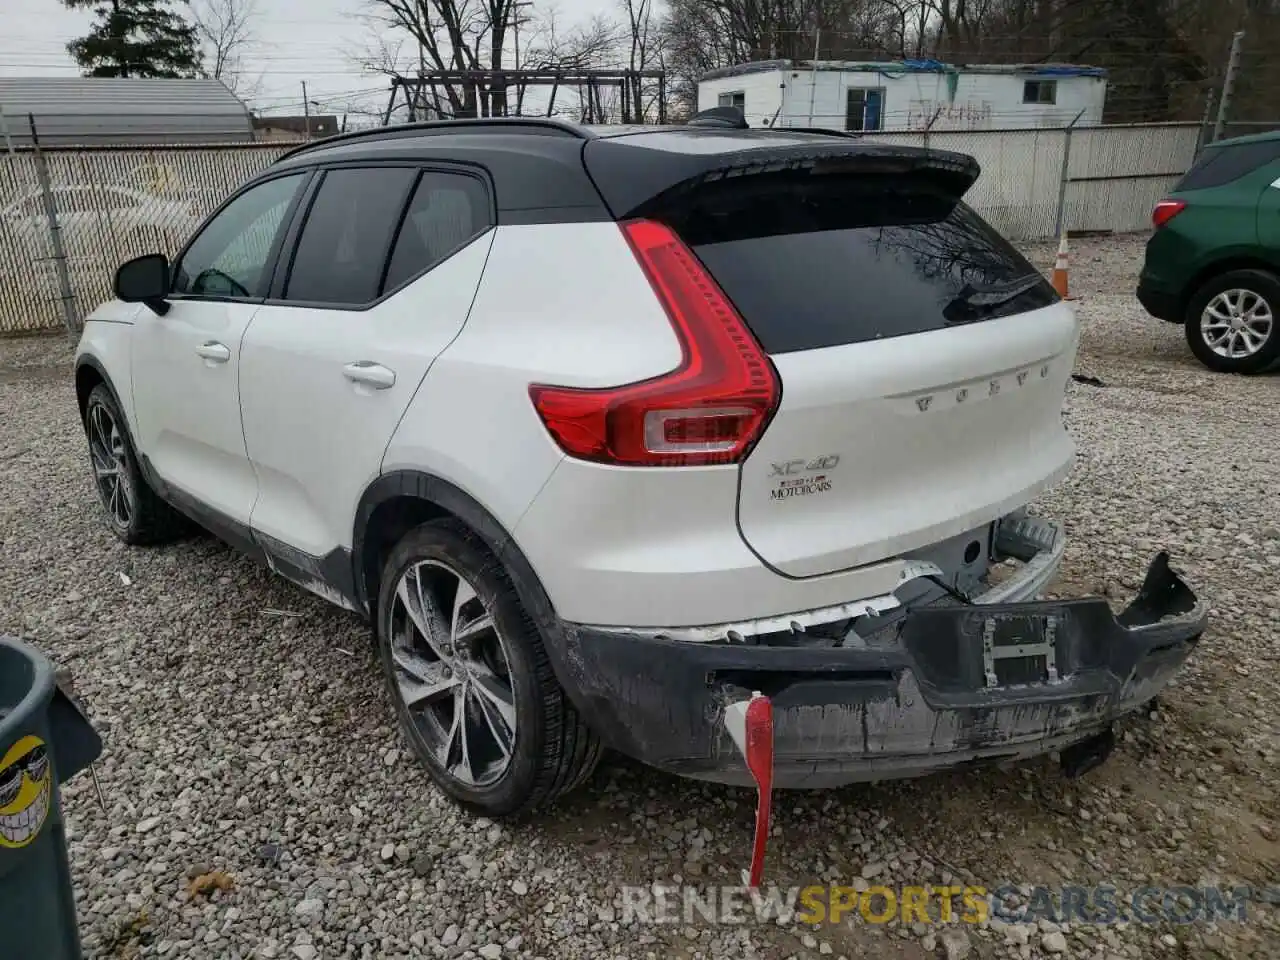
922	358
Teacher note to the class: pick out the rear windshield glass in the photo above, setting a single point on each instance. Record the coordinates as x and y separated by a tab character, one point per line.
1217	166
819	261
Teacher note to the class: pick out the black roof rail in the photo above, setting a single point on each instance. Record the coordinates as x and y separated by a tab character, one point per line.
823	131
431	127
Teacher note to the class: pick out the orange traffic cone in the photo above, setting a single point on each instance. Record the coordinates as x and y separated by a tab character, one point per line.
1060	269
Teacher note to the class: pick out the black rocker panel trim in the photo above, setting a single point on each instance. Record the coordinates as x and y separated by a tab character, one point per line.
329	576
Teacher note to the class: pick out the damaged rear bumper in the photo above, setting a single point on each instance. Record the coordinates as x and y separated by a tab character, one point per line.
901	693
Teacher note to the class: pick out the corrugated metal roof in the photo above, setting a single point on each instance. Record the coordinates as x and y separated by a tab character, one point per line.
111	110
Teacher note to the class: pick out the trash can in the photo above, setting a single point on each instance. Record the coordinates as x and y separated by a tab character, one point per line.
44	740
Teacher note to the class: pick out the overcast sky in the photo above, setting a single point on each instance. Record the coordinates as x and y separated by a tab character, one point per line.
297	40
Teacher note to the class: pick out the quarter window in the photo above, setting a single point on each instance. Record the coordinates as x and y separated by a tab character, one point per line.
447	211
228	258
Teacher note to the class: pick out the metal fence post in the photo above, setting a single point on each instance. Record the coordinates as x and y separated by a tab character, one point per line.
1066	175
4	131
1204	121
1228	84
55	234
929	126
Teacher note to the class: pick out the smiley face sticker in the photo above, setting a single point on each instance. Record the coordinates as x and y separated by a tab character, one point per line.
26	787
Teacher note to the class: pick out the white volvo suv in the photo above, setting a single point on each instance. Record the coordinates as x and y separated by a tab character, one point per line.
607	430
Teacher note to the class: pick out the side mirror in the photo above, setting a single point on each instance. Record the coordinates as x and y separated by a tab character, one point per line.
145	280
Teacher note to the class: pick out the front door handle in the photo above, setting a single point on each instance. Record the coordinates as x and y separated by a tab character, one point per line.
214	351
370	374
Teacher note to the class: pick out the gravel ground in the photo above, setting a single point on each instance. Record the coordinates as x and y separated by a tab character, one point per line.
259	803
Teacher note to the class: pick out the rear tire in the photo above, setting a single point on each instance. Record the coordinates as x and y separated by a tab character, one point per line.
1233	322
468	674
134	512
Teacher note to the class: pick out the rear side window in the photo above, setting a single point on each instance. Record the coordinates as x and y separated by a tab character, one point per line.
347	235
819	261
446	212
1220	165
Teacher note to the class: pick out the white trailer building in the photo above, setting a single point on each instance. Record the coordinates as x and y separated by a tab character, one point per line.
907	95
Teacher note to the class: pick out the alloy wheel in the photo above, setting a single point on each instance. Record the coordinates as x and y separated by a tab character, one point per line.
108	458
1236	323
452	672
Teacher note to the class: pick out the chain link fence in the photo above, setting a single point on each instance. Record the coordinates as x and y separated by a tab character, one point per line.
91	208
1096	179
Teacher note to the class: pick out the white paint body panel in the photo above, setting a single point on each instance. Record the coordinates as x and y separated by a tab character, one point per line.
110	342
612	546
936	433
187	407
315	437
472	423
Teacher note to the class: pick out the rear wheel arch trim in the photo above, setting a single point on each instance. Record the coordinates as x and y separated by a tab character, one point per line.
452	500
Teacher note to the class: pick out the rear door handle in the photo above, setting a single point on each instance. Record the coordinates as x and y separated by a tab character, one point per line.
370	374
214	351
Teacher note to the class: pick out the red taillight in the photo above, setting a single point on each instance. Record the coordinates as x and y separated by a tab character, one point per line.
710	409
1165	211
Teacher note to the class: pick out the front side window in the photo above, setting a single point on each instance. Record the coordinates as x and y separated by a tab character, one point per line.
864	108
347	236
229	257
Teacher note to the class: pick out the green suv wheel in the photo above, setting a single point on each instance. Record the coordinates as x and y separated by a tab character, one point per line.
1232	324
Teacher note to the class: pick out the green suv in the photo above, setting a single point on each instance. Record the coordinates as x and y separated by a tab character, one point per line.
1213	263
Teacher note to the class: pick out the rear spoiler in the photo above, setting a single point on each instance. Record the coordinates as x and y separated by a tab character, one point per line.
631	176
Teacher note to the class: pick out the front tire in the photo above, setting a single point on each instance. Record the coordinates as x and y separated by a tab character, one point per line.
134	512
468	673
1233	322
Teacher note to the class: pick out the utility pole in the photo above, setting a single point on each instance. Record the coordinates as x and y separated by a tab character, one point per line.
1204	121
813	72
1228	84
306	109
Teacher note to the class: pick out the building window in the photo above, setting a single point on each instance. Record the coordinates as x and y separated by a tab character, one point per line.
864	109
735	99
1040	91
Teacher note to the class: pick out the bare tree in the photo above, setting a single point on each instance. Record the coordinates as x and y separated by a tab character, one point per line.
453	35
642	37
226	30
594	44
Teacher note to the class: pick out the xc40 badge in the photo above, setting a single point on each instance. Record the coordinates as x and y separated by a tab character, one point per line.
802	478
